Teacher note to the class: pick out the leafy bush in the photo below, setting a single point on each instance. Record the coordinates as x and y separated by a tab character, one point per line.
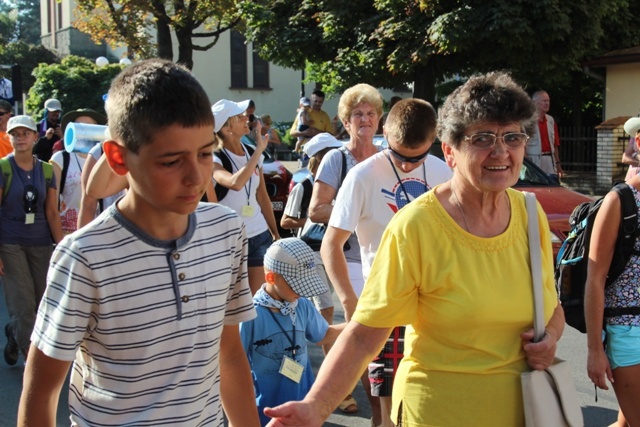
283	129
76	82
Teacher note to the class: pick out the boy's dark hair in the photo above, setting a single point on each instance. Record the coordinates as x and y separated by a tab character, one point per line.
6	105
411	122
318	93
491	97
150	95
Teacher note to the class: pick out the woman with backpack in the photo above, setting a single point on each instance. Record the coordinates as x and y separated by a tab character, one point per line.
237	171
67	168
29	224
614	310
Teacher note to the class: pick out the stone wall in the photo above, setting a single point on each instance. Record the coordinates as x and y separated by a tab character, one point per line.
612	141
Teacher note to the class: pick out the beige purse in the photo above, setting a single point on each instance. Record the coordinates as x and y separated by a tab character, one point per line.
549	396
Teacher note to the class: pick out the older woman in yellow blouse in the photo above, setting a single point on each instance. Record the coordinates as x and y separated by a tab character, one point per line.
454	265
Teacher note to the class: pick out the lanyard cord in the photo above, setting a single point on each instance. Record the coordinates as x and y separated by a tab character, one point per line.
246	156
293	332
404	190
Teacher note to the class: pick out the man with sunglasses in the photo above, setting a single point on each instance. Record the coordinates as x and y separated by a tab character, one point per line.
6	111
372	192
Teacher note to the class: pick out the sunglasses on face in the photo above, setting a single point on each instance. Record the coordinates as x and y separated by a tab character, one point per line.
404	159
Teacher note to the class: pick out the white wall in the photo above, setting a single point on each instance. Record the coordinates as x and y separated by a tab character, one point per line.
622	96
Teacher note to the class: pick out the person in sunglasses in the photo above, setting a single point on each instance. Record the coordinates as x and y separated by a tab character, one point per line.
454	266
372	192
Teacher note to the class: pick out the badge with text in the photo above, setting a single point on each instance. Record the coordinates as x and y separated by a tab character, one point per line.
29	218
291	369
247	211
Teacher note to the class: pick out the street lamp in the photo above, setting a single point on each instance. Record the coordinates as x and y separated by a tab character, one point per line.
101	61
125	61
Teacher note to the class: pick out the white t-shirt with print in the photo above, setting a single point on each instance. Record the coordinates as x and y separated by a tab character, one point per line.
371	194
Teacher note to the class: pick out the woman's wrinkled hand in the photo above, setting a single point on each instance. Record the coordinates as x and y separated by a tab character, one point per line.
539	355
599	369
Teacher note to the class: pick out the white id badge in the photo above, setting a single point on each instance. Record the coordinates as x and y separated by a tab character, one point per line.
291	369
29	218
247	210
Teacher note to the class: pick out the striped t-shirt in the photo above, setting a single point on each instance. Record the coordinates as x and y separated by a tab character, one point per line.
142	318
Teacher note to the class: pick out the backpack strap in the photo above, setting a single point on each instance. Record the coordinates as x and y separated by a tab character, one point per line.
343	171
222	191
629	223
7	172
48	174
66	159
306	197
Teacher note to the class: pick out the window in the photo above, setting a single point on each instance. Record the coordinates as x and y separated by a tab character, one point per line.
238	60
260	72
239	66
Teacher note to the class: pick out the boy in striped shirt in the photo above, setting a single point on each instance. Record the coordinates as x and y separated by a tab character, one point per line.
146	299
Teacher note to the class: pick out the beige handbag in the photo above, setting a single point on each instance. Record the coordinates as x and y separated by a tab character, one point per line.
549	396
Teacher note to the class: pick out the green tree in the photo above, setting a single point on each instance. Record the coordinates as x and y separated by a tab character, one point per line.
389	43
28	56
75	81
20	21
197	25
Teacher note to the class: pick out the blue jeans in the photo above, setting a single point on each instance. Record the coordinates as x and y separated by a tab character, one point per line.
258	246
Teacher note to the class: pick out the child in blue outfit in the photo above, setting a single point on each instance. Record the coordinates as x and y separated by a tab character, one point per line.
276	340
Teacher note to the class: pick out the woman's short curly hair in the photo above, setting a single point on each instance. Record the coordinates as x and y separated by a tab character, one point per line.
356	95
491	97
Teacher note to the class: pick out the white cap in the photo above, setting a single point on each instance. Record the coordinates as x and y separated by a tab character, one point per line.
53	105
224	109
632	126
21	122
305	101
320	142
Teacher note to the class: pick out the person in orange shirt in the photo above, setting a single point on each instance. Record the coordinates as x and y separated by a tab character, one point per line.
6	111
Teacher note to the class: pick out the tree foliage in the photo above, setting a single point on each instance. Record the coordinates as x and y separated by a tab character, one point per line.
28	56
196	24
20	21
75	81
389	43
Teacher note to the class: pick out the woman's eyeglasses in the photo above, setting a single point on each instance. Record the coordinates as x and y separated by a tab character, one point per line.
2	113
403	159
488	140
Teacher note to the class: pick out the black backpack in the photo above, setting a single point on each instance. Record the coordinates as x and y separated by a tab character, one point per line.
573	257
221	191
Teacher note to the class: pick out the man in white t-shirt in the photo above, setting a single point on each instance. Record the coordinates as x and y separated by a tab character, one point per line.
372	192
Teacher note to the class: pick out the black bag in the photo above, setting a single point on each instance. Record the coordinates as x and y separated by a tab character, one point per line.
573	256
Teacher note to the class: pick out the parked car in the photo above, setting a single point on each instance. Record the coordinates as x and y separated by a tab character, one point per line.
277	179
557	201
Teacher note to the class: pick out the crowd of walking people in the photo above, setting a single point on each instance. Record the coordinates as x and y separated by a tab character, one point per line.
152	266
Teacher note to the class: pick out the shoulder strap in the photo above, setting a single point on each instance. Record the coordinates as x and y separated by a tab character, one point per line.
8	174
306	196
536	265
66	158
48	174
343	172
629	210
222	191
